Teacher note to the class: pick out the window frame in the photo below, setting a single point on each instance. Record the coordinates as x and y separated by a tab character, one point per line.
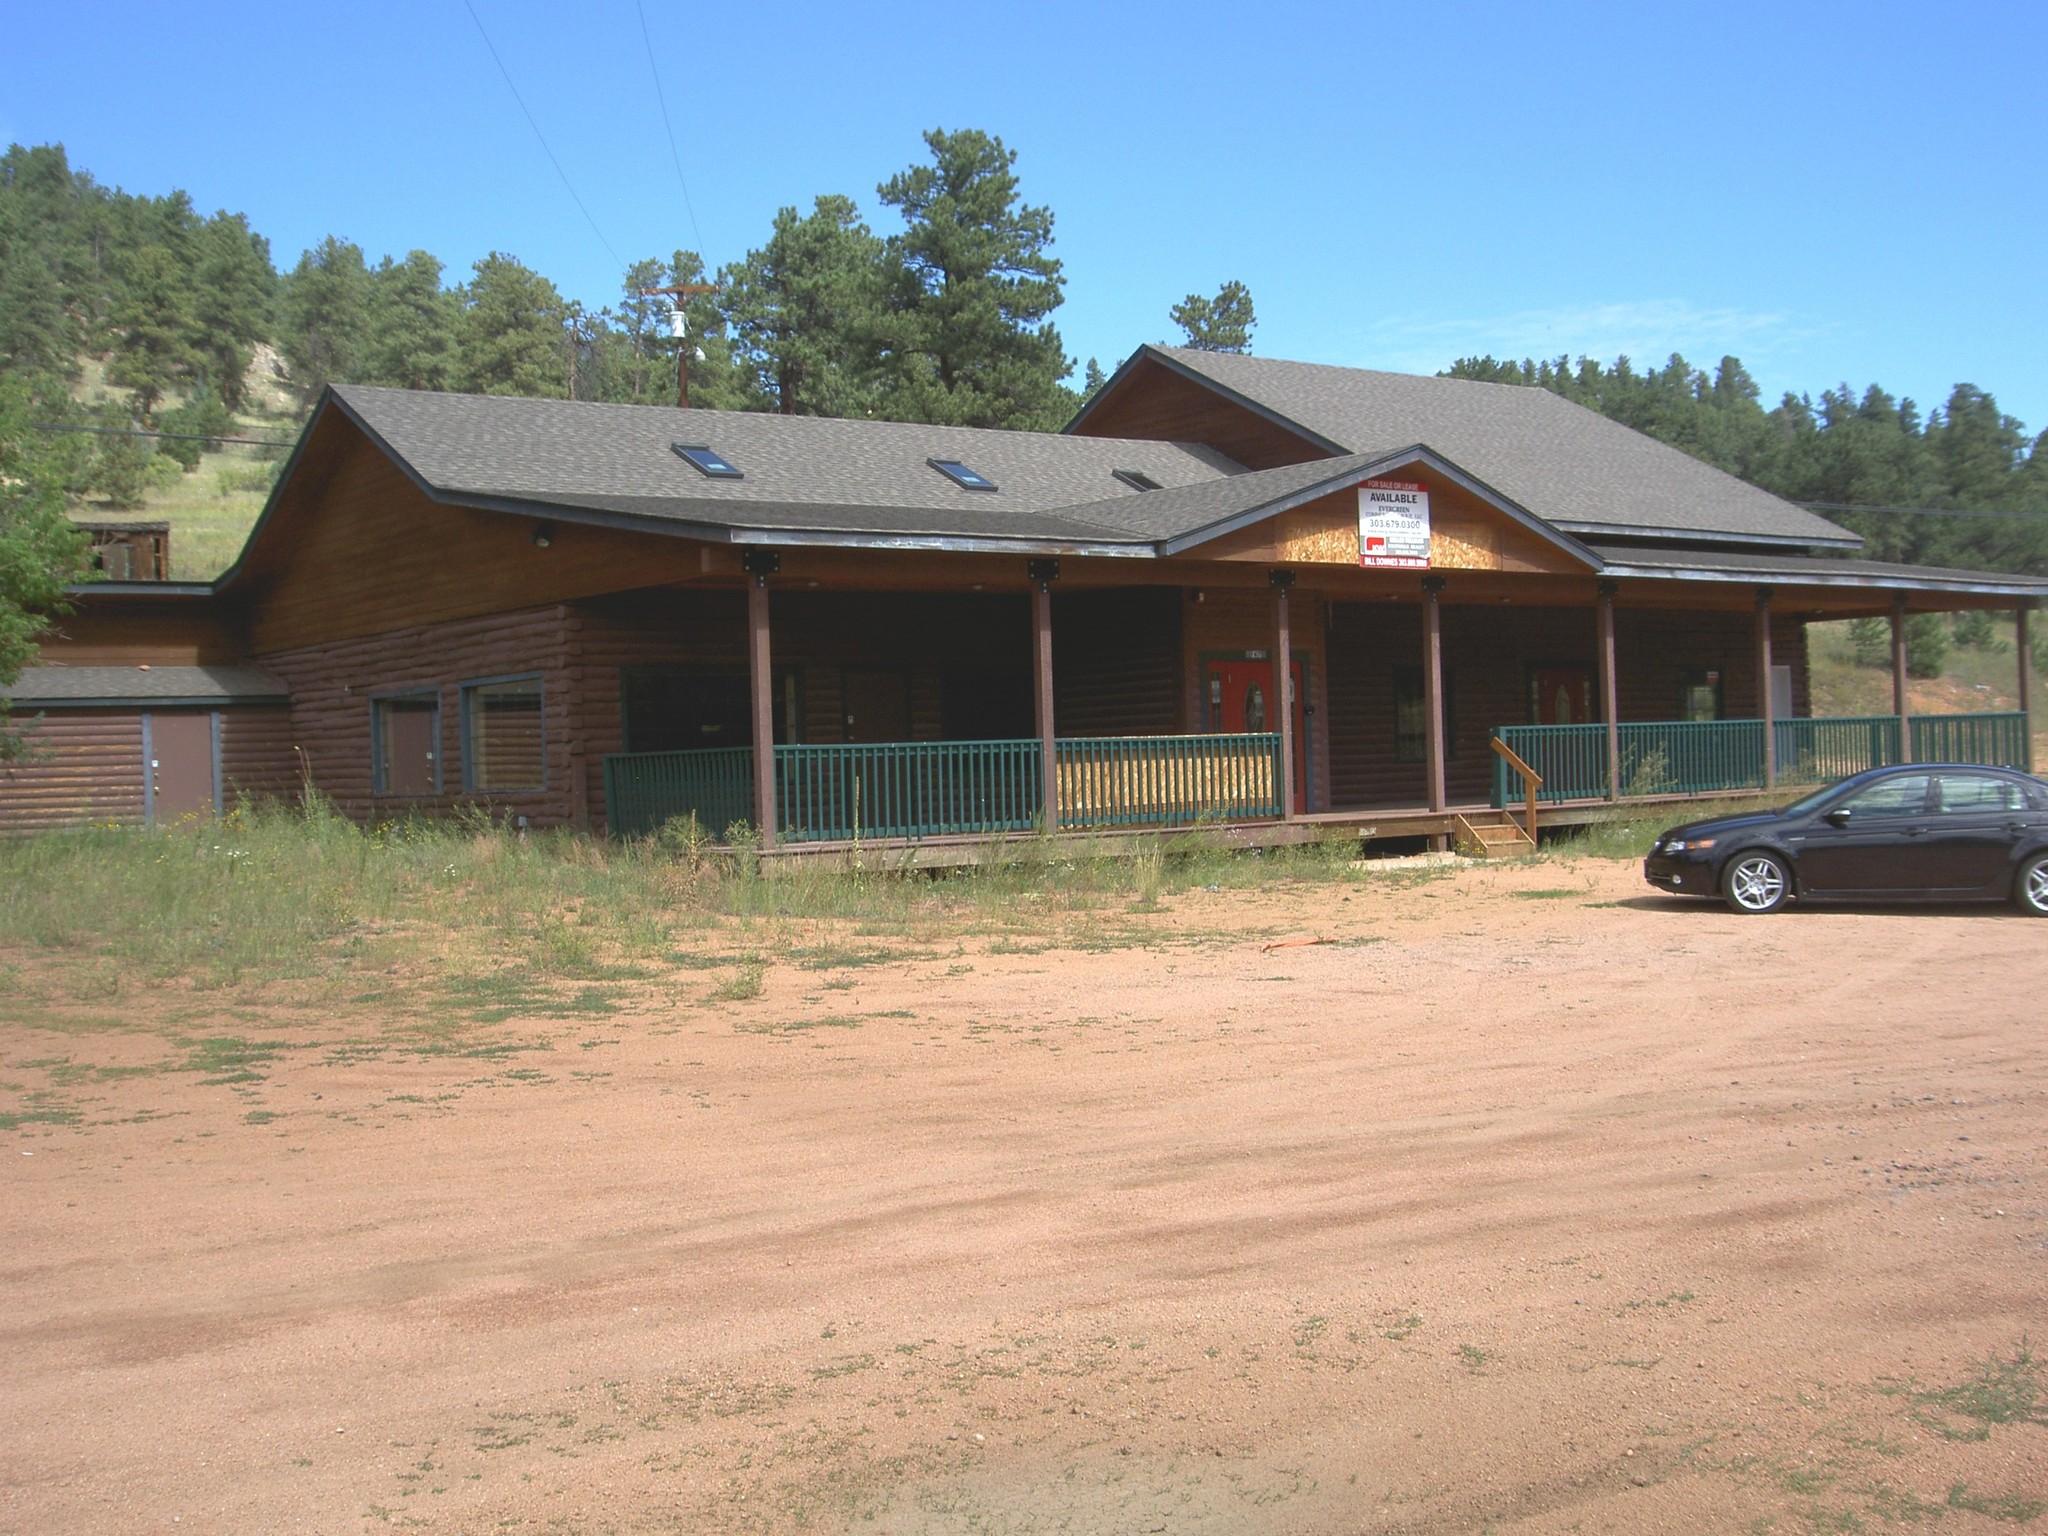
379	775
726	470
1690	678
947	467
466	692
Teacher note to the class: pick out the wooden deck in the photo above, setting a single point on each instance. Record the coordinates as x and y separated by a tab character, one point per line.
1365	826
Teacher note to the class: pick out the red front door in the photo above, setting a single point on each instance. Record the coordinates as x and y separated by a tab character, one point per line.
1562	695
1241	701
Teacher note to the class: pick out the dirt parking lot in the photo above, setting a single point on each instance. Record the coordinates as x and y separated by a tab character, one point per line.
1534	1202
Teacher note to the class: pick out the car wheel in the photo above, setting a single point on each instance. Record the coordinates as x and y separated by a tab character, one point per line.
1756	883
2031	889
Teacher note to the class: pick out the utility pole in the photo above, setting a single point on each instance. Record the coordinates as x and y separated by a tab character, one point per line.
678	292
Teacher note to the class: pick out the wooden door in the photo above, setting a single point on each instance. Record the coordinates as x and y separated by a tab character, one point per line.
180	765
877	706
1562	695
1241	702
410	728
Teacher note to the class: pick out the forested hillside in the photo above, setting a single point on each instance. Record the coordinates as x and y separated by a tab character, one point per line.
121	312
1840	450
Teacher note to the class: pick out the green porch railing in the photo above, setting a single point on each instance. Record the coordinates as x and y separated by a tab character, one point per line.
1697	757
1167	781
1833	747
644	789
1997	740
906	789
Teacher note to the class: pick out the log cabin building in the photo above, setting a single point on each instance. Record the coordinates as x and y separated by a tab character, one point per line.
601	616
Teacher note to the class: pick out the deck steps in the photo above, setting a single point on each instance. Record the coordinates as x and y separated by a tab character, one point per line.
1491	837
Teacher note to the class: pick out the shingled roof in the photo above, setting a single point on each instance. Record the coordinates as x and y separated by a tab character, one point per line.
1570	466
797	473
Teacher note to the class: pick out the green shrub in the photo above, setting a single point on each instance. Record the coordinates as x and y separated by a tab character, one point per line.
1926	645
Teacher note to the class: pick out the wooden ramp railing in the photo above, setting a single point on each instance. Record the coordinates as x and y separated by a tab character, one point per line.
1532	782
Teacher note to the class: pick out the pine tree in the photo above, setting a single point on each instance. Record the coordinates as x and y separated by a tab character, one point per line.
805	313
410	329
325	306
235	289
1221	324
509	340
967	341
153	326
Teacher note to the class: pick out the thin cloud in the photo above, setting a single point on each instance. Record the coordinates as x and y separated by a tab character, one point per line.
1646	331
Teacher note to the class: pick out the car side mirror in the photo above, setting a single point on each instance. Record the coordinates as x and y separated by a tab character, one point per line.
1838	818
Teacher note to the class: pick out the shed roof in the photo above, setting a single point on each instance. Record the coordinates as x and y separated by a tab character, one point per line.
1571	466
143	687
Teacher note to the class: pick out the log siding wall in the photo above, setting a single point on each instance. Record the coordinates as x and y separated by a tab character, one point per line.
87	767
332	687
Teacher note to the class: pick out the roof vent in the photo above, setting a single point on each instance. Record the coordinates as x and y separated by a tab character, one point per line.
706	460
1136	479
961	475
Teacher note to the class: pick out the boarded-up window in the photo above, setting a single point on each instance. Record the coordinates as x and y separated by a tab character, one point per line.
501	729
405	743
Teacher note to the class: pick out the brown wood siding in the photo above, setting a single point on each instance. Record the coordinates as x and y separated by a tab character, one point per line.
128	632
1488	655
1116	662
86	767
256	757
332	686
377	554
1154	402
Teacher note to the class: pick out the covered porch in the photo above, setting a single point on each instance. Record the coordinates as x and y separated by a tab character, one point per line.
1408	704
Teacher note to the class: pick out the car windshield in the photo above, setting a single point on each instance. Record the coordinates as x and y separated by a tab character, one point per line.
1812	802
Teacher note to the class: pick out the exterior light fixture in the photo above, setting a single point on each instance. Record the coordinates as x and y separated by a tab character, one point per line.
543	535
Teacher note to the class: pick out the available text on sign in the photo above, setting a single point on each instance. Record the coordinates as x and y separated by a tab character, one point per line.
1393	525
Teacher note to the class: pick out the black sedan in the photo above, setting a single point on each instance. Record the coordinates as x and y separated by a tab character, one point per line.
1928	832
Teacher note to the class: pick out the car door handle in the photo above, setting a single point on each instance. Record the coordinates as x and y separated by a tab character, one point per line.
1916	831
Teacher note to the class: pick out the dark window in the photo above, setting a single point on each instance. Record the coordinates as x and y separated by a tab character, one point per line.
686	709
1903	796
1411	744
960	474
1136	479
1979	794
707	460
986	704
1699	693
405	744
502	742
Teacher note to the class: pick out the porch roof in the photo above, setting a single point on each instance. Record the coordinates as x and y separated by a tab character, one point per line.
1617	560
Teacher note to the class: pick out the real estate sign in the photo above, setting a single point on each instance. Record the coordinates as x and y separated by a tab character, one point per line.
1393	525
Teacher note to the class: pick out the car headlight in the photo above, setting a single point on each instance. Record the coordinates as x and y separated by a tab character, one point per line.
1687	844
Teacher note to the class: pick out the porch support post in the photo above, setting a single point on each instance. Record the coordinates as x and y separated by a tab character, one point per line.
760	564
1433	690
1043	573
1610	693
1763	686
1899	677
1283	687
2023	642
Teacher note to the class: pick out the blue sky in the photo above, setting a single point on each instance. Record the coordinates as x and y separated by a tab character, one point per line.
1832	192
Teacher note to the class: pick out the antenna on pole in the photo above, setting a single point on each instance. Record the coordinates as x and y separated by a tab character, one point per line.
679	327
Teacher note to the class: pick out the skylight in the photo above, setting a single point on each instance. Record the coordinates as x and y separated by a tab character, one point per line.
961	475
707	460
1136	479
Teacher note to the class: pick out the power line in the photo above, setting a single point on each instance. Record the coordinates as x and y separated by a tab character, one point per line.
674	154
1858	506
566	183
